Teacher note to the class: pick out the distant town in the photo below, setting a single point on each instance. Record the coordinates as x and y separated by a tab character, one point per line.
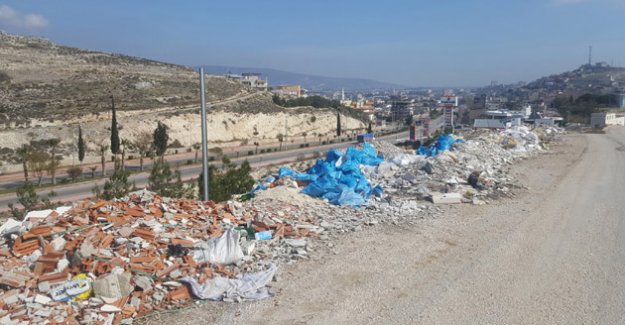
598	88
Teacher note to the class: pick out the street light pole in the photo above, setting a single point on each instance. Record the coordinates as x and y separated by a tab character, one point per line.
204	137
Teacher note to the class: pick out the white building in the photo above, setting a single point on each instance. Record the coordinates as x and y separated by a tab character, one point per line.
601	120
253	80
499	119
491	124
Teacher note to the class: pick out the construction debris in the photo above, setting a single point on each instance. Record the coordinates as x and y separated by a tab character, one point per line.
108	261
102	262
338	178
446	198
474	169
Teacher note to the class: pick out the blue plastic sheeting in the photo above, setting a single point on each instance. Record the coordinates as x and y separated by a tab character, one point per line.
338	178
443	143
285	171
262	185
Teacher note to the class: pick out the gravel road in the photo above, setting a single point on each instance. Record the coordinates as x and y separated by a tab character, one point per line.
551	255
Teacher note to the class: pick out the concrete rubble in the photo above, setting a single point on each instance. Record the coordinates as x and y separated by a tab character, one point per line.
108	262
474	171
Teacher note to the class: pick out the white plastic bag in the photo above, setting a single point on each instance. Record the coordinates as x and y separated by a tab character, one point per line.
223	250
251	286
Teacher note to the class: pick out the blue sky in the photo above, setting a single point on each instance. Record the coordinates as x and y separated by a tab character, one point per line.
417	43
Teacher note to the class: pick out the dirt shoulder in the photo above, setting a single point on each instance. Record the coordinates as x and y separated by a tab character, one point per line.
395	272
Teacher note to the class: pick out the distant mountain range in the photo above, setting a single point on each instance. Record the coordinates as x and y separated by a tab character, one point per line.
310	82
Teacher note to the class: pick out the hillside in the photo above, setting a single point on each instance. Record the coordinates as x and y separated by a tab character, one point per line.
598	78
230	124
48	90
310	82
49	82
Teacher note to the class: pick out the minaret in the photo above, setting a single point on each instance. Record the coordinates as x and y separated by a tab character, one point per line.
342	94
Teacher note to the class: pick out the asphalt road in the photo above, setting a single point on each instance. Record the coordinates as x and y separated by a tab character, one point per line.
14	180
551	255
81	190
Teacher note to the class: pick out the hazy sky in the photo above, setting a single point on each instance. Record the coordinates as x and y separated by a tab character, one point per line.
417	43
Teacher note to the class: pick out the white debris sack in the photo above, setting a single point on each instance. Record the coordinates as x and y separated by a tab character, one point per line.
10	226
223	250
251	286
40	214
406	159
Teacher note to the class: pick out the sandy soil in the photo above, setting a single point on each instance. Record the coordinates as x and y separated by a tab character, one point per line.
225	129
551	255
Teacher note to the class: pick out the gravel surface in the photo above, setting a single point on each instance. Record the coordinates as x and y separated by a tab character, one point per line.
550	255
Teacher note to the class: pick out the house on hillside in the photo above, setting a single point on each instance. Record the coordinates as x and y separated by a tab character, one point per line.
290	91
253	79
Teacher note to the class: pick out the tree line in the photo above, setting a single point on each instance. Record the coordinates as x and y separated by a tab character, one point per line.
314	101
582	107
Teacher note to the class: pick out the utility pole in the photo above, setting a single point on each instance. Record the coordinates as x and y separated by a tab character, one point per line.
204	137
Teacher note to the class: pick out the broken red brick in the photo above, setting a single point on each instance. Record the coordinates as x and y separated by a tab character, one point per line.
181	293
145	234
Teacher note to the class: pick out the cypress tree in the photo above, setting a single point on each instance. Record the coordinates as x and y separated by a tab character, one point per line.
160	138
369	129
81	145
338	123
114	131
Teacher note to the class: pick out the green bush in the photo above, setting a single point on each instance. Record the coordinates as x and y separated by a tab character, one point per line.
74	172
115	187
168	183
28	198
221	186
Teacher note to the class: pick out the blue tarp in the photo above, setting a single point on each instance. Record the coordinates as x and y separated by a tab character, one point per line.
443	143
338	177
262	185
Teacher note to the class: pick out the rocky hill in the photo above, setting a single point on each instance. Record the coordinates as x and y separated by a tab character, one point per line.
40	80
48	90
597	78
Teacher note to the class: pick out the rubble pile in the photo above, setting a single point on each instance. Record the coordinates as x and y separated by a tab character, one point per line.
471	171
443	143
338	178
387	149
106	261
452	170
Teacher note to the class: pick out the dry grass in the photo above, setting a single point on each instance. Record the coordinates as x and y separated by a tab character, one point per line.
52	82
